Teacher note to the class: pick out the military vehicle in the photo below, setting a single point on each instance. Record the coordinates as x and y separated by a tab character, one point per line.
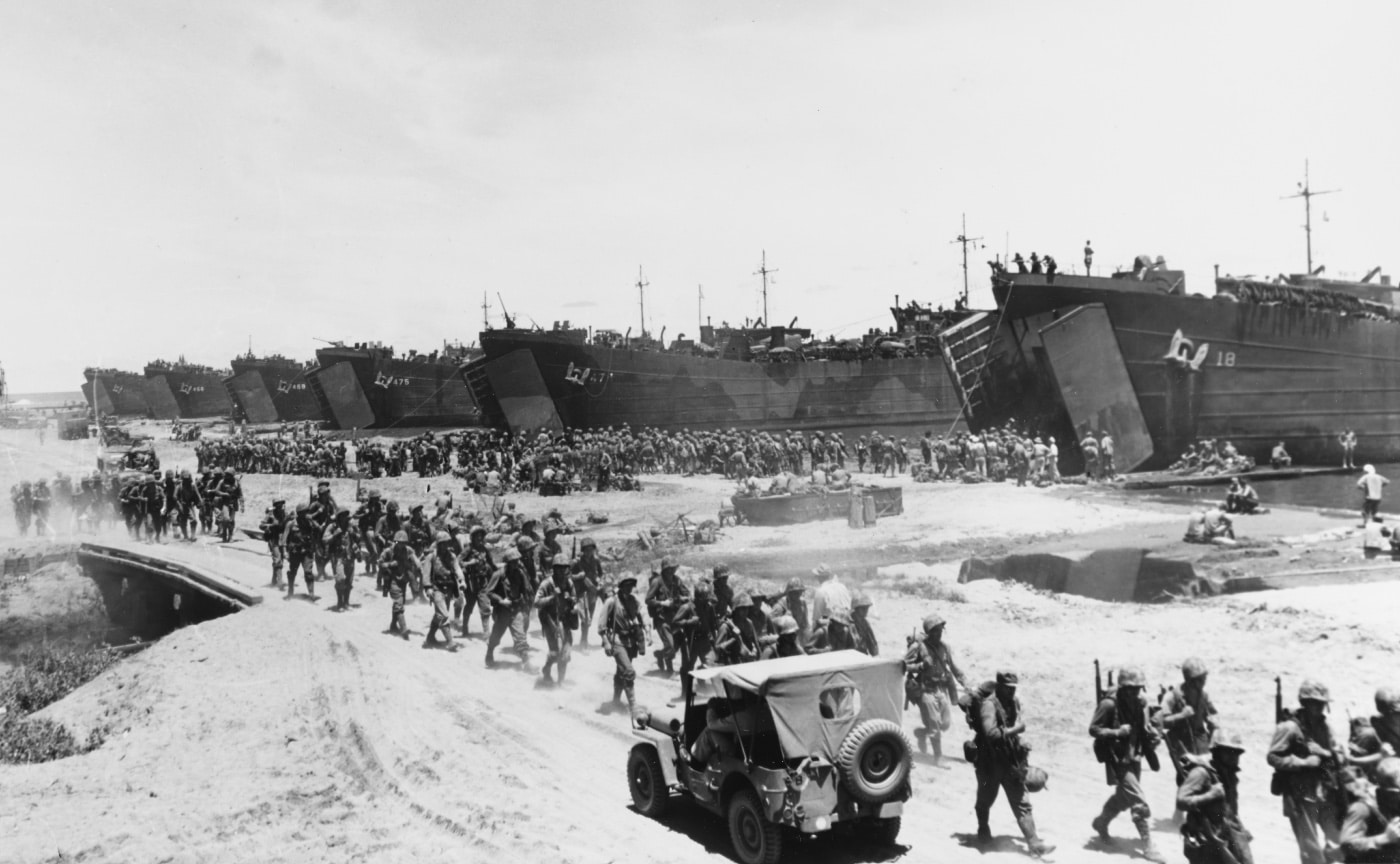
809	744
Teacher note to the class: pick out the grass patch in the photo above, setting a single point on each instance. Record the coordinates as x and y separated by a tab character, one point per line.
43	676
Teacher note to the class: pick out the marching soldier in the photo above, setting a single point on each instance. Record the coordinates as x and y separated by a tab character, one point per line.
623	634
22	497
341	544
444	580
188	502
737	640
665	595
397	565
588	577
510	595
1122	738
861	631
1304	758
300	543
554	603
274	527
1001	762
1188	716
932	677
477	567
1209	796
156	506
367	518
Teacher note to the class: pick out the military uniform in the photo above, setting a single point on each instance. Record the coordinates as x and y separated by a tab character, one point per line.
554	604
1122	738
1212	832
444	581
300	542
931	680
665	595
588	576
510	596
623	634
1188	717
1301	755
274	527
1000	763
397	565
340	542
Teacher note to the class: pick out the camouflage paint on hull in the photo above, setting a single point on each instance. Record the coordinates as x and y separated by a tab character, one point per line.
285	383
1251	373
681	391
404	391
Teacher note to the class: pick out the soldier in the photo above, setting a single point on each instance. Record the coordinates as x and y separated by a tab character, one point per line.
724	593
737	640
300	543
367	518
789	637
1001	763
477	567
665	595
133	508
397	565
792	603
623	634
1209	796
274	527
588	575
1304	758
22	497
510	594
830	597
554	603
932	677
1380	738
1371	831
861	631
1122	737
341	543
1188	716
444	580
694	626
156	505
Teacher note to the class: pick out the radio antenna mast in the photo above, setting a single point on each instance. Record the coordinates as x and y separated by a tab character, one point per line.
642	284
1306	192
765	273
965	240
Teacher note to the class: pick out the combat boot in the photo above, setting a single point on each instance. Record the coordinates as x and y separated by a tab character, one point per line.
1100	824
1150	851
922	737
1036	845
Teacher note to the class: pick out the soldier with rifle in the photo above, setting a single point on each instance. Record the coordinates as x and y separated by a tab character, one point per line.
397	565
588	577
477	567
554	603
1306	760
300	539
624	636
1209	796
932	678
1188	716
1123	737
446	580
274	529
1371	830
510	595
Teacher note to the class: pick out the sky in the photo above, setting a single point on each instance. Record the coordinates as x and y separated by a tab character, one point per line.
190	177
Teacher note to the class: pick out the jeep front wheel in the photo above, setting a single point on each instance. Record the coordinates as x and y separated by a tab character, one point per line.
756	840
649	791
875	761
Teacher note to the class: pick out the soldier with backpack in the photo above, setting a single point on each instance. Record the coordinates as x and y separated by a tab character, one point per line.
1305	758
999	756
1209	796
932	679
1123	737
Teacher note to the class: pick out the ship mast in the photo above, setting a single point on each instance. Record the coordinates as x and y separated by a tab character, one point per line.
642	284
765	273
699	309
485	312
1306	192
965	240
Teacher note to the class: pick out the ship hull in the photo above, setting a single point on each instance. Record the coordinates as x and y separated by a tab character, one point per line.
679	391
395	392
121	394
276	391
1253	374
196	394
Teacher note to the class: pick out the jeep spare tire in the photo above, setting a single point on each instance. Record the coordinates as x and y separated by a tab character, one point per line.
875	761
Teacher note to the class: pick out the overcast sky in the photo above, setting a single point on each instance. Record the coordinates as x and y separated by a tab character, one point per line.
178	177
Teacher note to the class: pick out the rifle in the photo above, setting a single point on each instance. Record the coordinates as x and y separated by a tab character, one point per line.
1103	748
1280	715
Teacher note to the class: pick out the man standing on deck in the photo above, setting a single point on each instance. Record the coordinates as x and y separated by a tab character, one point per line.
1348	442
1088	258
1106	467
1371	484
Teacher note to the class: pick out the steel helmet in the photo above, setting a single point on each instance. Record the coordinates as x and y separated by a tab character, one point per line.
1388	700
1036	778
1388	773
933	621
1131	676
1194	667
860	600
511	554
794	585
401	537
742	600
1220	739
524	542
442	537
1313	690
787	625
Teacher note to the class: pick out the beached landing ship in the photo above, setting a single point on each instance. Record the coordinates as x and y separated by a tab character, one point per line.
272	388
368	386
1298	359
194	391
772	378
114	392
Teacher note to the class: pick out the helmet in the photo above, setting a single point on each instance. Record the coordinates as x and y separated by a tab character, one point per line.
861	600
588	543
1007	678
626	584
1194	667
787	625
524	543
511	554
933	621
374	493
742	600
478	530
1036	778
1313	690
794	585
1388	773
1388	700
1220	739
303	507
441	537
721	571
393	506
668	563
401	537
1131	676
